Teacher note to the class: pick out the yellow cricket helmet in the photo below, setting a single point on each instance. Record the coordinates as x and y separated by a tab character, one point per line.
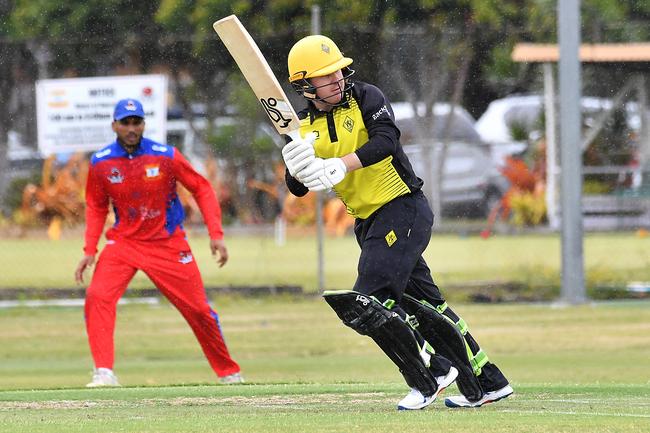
315	56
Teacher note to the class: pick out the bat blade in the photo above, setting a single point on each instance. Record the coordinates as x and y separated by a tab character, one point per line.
258	74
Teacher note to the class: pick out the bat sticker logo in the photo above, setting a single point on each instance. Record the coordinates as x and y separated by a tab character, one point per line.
270	105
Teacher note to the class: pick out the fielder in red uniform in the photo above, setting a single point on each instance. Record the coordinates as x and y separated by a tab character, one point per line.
137	177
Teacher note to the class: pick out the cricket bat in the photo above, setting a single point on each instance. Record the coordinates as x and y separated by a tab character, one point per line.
259	75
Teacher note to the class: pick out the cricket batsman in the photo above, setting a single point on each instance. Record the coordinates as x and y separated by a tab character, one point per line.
352	146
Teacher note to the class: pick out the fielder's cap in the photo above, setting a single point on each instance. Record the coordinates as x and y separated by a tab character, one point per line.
128	108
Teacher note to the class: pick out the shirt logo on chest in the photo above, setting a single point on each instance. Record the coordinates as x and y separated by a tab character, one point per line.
115	176
348	123
152	171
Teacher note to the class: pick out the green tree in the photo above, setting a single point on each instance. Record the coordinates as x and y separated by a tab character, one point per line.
248	145
90	37
414	49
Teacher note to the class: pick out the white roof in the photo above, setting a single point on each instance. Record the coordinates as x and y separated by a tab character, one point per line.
492	125
495	124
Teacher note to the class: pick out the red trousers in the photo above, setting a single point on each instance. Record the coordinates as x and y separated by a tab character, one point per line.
170	266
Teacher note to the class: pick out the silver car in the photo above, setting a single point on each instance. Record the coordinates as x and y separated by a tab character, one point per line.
471	181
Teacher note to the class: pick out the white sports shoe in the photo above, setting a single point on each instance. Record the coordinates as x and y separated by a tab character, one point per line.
489	397
103	377
448	379
231	379
416	400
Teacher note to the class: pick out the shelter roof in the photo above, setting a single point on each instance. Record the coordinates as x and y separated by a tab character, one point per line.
544	53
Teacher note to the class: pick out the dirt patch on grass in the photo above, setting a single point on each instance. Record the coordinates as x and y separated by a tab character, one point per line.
297	400
272	400
55	404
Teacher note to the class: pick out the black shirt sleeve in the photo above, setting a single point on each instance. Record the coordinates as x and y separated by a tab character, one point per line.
295	187
383	135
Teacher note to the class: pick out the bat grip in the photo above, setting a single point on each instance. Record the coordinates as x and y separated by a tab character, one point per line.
295	134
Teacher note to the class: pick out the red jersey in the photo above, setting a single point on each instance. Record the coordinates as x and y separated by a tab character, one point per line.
142	190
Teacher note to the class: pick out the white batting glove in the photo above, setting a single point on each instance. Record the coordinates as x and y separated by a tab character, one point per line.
320	184
313	178
329	171
298	154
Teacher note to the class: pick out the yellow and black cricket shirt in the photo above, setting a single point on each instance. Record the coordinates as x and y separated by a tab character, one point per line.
365	124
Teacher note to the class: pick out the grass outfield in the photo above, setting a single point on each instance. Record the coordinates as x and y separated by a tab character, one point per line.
574	369
530	260
327	408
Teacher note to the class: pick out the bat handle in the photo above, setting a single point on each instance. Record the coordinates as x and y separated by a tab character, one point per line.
295	134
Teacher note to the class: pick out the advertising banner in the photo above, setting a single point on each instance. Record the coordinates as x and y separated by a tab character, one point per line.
75	114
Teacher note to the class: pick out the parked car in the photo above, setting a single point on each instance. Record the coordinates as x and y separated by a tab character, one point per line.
471	181
613	178
510	123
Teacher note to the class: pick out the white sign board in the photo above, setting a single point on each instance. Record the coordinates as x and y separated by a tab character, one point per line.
75	114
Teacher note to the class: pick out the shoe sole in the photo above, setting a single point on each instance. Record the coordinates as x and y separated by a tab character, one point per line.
452	405
421	406
449	379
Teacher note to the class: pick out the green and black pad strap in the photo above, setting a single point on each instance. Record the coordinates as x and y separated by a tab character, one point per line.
447	340
477	360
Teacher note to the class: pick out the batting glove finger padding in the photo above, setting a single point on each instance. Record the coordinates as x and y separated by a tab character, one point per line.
319	184
298	158
298	154
330	171
312	171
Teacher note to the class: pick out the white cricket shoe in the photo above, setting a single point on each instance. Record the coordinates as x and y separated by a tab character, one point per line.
103	377
416	400
489	397
446	380
231	379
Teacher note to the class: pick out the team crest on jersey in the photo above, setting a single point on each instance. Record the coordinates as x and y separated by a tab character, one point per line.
152	171
115	176
185	257
348	123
